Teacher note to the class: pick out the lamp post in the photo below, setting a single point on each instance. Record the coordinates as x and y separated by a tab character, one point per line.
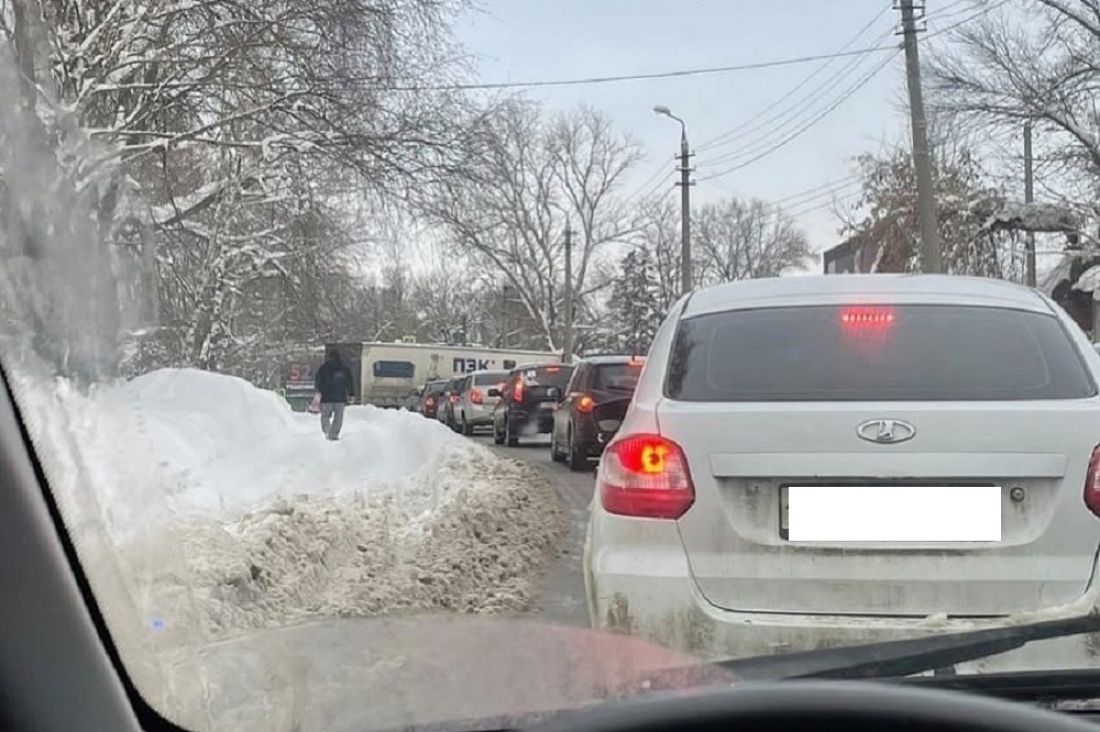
685	201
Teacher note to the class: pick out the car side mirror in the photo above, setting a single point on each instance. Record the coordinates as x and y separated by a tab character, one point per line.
494	392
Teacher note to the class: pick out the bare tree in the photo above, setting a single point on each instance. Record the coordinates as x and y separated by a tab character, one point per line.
1005	72
743	240
886	215
222	135
526	180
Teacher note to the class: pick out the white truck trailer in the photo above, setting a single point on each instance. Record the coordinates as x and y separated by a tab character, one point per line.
388	372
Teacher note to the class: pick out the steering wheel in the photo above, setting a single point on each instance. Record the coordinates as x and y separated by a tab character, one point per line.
812	705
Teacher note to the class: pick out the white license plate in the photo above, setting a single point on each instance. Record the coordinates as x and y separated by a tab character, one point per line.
890	513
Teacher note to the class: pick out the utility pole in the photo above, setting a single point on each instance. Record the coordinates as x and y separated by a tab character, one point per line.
685	200
922	157
685	214
1029	197
567	336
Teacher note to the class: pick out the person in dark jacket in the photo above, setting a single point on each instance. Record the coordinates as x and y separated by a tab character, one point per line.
335	385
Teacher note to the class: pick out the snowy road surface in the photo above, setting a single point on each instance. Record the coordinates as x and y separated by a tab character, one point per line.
562	599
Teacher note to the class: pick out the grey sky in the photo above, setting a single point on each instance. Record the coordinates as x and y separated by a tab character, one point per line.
526	40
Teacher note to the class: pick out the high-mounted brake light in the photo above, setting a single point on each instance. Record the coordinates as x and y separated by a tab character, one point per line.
647	476
586	404
867	317
1092	482
476	397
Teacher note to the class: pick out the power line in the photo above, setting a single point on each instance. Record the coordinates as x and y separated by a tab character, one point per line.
641	77
828	110
800	201
776	125
798	132
847	198
790	92
964	21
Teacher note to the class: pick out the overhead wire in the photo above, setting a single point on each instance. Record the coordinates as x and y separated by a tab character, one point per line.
757	152
718	139
680	73
820	116
791	116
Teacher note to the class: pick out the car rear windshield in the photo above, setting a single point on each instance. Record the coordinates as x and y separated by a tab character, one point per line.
875	353
617	376
435	387
546	375
490	379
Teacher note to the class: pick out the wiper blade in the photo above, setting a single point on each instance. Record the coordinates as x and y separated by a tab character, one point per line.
905	657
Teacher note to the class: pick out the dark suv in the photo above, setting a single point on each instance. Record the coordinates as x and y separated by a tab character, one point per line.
430	398
527	403
594	405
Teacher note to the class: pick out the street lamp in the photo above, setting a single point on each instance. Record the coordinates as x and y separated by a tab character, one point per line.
685	201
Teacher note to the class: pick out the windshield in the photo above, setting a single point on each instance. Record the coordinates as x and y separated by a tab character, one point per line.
779	335
617	376
876	353
491	379
545	376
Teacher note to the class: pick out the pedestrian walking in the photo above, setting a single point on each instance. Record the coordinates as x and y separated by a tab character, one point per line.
334	385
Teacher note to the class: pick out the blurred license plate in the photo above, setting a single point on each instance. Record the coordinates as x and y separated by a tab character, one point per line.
889	513
547	405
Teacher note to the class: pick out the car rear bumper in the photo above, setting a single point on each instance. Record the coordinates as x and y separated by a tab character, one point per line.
478	415
641	584
531	422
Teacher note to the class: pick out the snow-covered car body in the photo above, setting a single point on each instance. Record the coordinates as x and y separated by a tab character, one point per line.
947	401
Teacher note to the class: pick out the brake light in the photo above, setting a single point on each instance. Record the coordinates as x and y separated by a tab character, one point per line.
454	398
429	401
646	476
475	397
586	404
867	317
1092	482
517	393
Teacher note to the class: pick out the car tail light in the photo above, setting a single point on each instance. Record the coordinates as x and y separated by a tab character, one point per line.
454	398
647	476
475	397
517	393
429	402
586	404
1092	482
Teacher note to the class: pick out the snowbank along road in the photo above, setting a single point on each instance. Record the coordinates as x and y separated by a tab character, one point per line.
230	512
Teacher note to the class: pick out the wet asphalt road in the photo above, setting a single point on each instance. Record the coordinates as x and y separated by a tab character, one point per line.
562	599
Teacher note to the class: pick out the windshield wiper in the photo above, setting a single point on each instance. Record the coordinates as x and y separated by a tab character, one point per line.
905	657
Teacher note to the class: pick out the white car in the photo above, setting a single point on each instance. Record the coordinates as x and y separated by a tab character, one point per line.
813	462
474	407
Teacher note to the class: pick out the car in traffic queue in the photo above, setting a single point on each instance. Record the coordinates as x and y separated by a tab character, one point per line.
593	407
528	400
430	398
447	401
475	407
835	460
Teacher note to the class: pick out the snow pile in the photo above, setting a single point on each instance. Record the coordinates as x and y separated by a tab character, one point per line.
229	511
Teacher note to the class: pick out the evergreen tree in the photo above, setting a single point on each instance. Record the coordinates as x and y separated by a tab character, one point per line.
635	303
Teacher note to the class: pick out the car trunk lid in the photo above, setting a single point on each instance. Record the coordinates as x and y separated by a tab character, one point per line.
749	459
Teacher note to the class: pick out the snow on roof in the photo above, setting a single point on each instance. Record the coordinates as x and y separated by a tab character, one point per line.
1089	281
1056	274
